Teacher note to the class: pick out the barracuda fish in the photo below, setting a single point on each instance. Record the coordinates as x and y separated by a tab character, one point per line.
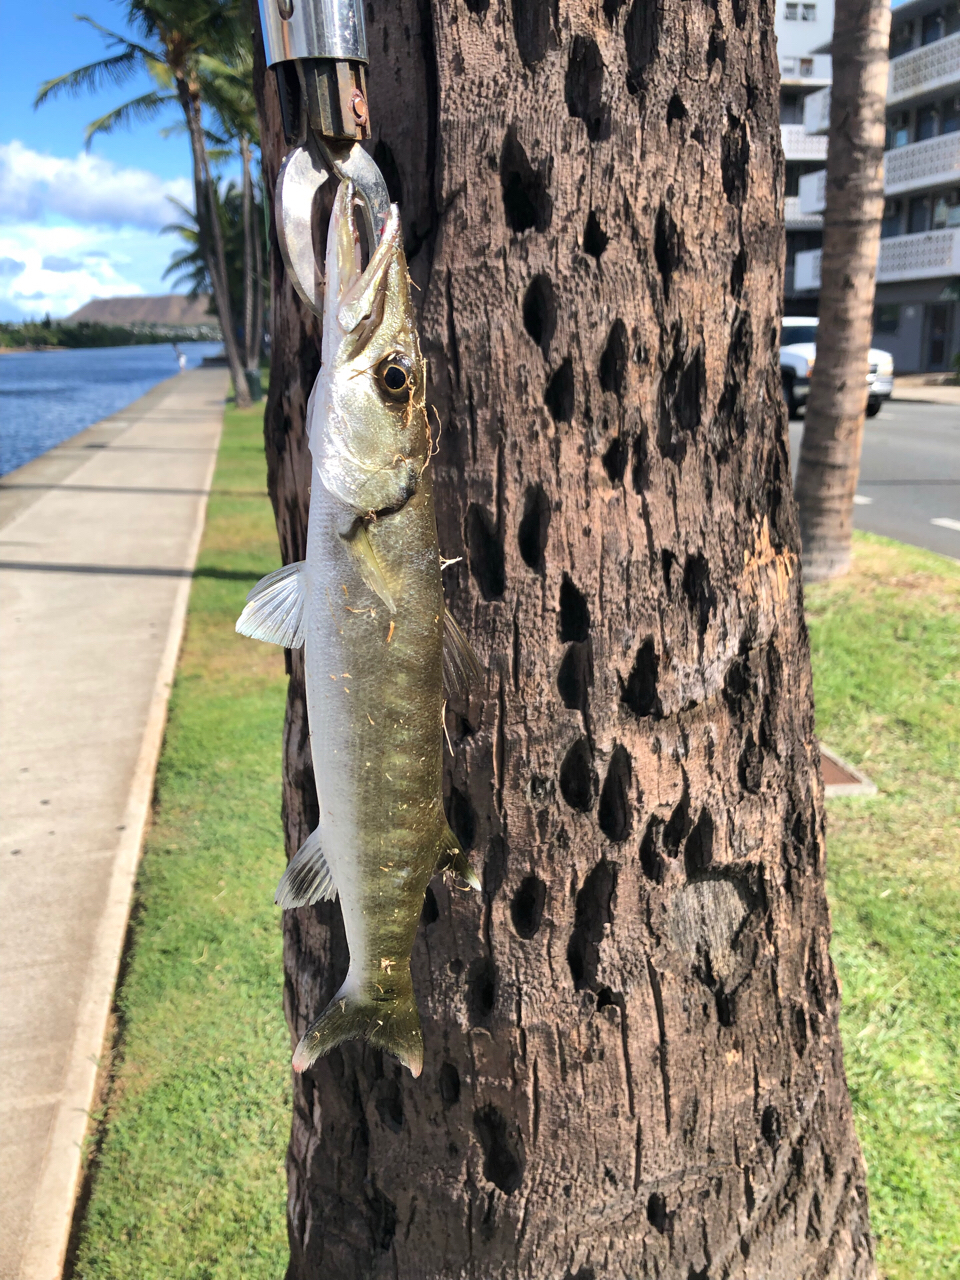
367	604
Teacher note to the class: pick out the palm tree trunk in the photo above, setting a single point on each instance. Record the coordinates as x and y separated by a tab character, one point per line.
211	243
248	289
833	430
632	1058
258	289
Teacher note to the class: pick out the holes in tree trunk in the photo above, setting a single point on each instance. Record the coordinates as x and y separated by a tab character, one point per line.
734	158
800	1033
615	460
486	553
382	1218
533	529
390	1104
611	10
578	782
526	201
613	363
502	1151
738	270
726	1006
654	867
575	677
531	25
641	39
698	851
675	110
540	311
593	912
613	814
558	396
682	393
701	596
481	989
770	1127
640	474
430	912
583	88
462	818
386	162
678	826
526	909
667	247
495	866
657	1212
750	765
640	691
595	239
574	614
448	1082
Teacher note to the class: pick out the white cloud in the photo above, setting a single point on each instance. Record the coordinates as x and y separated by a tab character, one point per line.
87	189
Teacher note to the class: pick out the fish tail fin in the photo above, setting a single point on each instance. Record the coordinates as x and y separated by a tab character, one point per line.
389	1022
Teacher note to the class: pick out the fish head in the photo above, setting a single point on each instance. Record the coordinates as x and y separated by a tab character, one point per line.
369	433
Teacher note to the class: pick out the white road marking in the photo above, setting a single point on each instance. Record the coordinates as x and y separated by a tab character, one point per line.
946	523
861	500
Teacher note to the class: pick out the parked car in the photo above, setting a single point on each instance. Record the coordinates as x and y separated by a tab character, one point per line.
798	351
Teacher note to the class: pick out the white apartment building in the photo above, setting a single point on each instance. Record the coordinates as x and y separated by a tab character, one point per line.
802	27
917	315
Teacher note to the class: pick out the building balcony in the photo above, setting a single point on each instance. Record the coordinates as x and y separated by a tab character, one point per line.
928	69
813	193
924	256
933	163
795	218
816	111
800	145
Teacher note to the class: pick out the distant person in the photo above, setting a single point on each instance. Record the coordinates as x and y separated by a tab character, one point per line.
181	357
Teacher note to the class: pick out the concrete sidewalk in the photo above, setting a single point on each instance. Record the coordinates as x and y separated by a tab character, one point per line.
97	543
921	388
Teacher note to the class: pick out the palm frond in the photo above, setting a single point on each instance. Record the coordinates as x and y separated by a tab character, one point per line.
112	37
146	107
94	76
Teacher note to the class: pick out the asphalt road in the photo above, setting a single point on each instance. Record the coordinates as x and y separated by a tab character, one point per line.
909	474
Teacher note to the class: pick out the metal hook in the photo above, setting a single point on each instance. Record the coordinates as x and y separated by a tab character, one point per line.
302	174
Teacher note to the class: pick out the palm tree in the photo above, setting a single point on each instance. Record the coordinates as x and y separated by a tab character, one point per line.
173	38
833	430
229	92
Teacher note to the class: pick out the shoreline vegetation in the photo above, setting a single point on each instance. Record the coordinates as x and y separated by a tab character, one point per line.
56	335
185	1161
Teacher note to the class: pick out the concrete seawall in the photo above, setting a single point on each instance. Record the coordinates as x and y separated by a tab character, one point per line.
98	540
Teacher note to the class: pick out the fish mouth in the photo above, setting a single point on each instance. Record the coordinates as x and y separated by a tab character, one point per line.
357	293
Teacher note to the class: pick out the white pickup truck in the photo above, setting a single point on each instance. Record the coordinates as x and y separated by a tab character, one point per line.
798	351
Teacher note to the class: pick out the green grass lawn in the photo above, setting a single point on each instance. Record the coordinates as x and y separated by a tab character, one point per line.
189	1180
886	660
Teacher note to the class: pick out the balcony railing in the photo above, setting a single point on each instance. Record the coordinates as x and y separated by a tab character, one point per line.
800	145
813	192
924	256
796	218
816	111
932	66
922	164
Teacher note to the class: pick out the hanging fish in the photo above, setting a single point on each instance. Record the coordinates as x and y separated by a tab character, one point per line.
367	605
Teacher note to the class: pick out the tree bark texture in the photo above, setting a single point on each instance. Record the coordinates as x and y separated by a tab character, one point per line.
632	1060
837	403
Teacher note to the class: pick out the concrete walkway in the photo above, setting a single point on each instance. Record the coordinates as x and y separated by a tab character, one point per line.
97	543
922	389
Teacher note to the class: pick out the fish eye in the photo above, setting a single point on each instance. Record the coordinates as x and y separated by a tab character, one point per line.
395	375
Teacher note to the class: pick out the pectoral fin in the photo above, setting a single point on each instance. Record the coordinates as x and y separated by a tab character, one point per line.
275	607
453	859
368	566
307	878
461	666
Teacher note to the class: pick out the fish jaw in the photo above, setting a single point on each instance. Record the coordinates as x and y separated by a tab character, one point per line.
368	426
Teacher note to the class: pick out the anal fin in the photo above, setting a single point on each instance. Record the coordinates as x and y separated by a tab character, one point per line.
461	666
307	878
453	859
275	608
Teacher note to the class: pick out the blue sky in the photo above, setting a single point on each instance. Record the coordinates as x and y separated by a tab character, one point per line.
76	225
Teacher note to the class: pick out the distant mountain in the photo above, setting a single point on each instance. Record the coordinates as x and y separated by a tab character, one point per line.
171	309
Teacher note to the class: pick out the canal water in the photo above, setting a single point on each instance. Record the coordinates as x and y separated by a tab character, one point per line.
48	396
